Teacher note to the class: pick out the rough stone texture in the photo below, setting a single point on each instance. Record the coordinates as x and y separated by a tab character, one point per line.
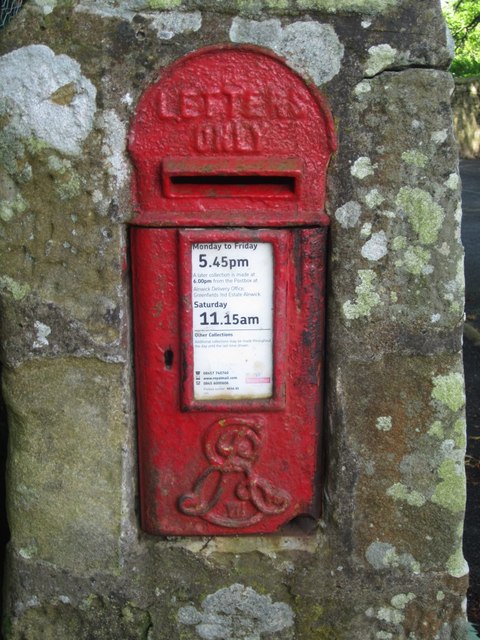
64	467
385	561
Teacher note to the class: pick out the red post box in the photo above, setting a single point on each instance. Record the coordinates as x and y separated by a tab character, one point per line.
230	149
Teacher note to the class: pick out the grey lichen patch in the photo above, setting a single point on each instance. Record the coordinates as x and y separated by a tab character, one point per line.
391	615
238	612
374	198
362	168
362	88
42	332
46	96
449	390
172	23
114	148
376	247
367	297
366	230
348	214
384	423
380	57
401	600
453	181
382	555
416	158
423	213
402	493
310	47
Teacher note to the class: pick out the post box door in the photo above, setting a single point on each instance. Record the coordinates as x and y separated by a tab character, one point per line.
228	343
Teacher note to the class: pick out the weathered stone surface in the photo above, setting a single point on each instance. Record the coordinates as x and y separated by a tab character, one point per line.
385	560
400	259
65	462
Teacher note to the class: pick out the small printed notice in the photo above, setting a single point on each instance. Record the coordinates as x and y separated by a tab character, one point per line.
232	306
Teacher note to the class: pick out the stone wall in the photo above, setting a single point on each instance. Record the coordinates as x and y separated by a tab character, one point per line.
466	116
385	560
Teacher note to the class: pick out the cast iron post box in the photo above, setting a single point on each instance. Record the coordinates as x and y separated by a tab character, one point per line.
230	149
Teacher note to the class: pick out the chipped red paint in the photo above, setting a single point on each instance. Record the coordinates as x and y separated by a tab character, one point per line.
228	464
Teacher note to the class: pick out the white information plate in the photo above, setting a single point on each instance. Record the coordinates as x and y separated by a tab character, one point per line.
232	307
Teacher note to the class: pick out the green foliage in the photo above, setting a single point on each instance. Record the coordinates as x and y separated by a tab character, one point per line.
463	19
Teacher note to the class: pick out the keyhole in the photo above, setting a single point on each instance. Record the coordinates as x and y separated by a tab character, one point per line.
168	358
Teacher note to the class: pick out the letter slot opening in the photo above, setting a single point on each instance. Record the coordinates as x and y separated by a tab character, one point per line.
231	178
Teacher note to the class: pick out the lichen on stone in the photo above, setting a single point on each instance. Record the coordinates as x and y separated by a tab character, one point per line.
367	297
9	209
391	615
401	600
374	198
310	47
416	158
449	390
380	57
416	260
383	555
423	213
348	214
376	247
31	78
457	566
362	168
450	493
384	423
401	492
436	430
237	612
164	4
17	290
453	181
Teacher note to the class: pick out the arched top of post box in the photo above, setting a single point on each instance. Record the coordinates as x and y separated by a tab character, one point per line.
230	136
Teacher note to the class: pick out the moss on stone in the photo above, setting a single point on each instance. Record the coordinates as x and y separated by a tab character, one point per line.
423	213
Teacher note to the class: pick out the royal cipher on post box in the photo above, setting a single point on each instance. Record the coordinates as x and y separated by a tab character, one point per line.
230	148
